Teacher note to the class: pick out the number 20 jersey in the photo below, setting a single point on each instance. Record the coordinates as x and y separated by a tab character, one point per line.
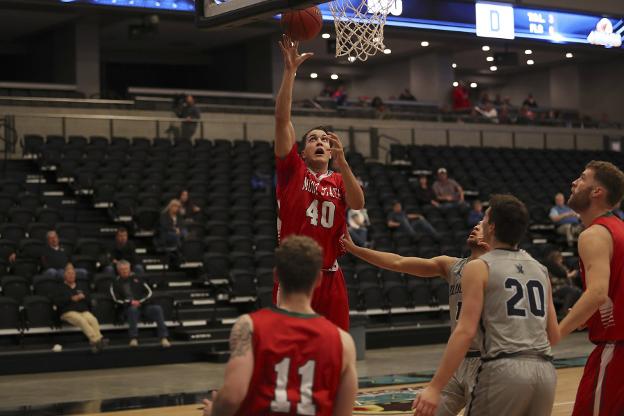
297	365
311	205
515	306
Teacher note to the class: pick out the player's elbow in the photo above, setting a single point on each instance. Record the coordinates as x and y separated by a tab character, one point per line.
467	332
231	398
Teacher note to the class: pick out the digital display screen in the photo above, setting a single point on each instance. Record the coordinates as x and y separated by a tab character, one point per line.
180	5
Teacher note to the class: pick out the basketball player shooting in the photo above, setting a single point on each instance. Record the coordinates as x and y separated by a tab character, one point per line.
595	193
312	199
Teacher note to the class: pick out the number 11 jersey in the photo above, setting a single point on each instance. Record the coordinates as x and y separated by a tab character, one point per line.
311	205
297	365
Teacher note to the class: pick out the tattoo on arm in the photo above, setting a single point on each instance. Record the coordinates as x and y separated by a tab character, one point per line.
240	338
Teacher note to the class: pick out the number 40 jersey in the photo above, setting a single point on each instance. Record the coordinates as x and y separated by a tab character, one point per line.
297	365
311	205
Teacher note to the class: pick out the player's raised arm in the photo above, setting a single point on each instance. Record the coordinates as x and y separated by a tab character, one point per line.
343	405
416	266
473	286
595	246
354	194
238	371
284	130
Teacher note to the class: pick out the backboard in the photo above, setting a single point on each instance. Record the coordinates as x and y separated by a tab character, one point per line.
211	14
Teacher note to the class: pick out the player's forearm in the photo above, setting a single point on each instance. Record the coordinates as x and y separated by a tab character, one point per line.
224	407
384	260
353	191
284	131
585	307
454	354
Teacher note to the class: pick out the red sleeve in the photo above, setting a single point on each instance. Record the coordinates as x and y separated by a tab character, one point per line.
288	166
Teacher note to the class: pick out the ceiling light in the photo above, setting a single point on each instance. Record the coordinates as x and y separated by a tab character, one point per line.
485	48
569	55
493	68
489	59
424	43
455	83
351	59
453	65
387	51
334	76
528	51
473	85
313	75
530	62
325	36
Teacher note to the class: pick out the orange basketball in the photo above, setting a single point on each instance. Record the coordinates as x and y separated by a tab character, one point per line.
304	24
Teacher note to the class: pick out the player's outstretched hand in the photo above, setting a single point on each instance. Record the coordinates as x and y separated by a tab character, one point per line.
290	52
426	402
337	151
347	242
208	404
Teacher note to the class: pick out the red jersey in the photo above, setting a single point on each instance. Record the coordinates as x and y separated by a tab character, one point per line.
607	324
297	365
311	205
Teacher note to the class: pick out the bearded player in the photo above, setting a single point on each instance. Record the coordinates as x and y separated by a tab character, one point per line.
595	193
312	198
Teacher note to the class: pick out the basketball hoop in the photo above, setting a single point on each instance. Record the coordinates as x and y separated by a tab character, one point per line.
359	27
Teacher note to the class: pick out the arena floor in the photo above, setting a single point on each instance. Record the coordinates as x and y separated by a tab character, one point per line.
154	390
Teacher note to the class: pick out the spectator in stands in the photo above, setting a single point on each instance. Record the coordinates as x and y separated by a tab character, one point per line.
132	292
476	213
530	101
54	258
190	114
498	101
564	289
526	114
378	104
504	115
340	95
406	95
461	100
447	191
488	111
171	232
424	194
566	221
485	98
409	223
73	307
188	210
327	91
357	225
123	249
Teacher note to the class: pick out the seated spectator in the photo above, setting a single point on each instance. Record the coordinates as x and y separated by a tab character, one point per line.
170	231
530	101
188	210
566	221
123	249
526	114
461	100
424	194
340	95
476	213
54	258
73	307
357	225
498	101
327	91
378	104
406	95
408	223
447	191
132	292
565	291
488	111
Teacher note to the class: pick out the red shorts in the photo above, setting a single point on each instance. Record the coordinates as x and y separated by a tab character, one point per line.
330	299
601	390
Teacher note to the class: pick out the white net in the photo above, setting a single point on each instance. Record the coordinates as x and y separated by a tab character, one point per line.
359	27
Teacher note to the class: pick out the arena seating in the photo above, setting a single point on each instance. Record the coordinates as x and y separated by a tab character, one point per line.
86	187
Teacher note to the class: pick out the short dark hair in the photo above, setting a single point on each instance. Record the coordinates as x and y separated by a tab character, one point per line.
121	230
298	261
302	143
510	218
611	177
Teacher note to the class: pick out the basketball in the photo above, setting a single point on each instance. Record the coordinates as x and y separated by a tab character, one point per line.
302	24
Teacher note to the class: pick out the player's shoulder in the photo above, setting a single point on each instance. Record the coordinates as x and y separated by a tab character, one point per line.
245	322
594	233
348	345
